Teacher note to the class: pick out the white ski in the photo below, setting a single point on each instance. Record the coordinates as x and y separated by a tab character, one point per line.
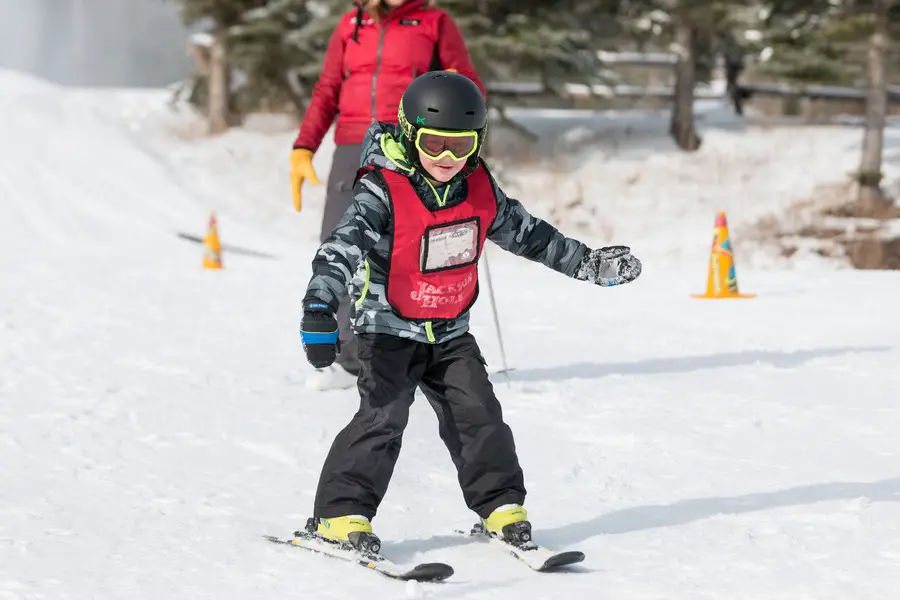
376	562
537	557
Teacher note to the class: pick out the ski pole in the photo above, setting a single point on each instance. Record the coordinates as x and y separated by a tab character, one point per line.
487	270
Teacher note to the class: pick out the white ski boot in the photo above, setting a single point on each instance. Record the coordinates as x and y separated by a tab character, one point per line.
332	377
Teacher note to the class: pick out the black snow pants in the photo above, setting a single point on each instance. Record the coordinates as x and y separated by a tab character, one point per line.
453	377
338	197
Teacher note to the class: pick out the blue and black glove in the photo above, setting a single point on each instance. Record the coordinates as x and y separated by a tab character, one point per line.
609	266
319	332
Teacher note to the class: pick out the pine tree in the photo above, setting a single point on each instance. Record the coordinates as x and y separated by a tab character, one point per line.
869	176
276	45
221	14
549	43
809	41
280	47
695	31
552	42
839	42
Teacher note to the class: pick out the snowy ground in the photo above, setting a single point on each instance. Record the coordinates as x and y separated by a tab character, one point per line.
154	422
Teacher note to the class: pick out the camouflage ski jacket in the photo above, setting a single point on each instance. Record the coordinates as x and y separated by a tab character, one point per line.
358	250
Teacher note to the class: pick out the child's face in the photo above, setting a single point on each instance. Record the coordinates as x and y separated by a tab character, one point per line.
441	170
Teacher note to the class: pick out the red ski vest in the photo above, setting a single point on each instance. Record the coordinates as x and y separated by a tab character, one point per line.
433	273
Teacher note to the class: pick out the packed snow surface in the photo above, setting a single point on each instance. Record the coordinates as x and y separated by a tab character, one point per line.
154	422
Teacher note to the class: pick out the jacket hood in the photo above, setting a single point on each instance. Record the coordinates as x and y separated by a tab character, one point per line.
383	147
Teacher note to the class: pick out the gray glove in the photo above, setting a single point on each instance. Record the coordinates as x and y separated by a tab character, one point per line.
609	266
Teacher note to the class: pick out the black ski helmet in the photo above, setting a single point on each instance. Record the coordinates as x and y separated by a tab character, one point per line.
442	100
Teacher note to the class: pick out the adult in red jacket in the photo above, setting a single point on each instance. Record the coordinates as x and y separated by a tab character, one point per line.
375	52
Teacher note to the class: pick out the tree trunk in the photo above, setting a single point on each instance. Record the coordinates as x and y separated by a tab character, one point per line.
870	197
682	124
79	43
218	83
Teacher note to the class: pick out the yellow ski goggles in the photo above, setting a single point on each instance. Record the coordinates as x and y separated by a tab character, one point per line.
436	144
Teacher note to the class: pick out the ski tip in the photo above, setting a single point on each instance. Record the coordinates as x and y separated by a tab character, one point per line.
277	540
562	559
429	572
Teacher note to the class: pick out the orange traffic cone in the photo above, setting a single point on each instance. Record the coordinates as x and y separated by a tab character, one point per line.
721	281
212	257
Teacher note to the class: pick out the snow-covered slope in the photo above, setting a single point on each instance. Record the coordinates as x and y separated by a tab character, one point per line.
154	422
611	177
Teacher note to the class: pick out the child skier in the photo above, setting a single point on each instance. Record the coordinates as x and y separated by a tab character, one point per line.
408	247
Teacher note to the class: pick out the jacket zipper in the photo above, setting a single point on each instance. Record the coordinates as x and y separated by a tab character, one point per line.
377	67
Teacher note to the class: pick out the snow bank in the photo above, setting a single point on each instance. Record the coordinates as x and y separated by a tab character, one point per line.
612	177
663	201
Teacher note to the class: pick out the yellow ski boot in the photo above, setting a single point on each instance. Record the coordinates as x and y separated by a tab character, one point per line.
354	530
510	523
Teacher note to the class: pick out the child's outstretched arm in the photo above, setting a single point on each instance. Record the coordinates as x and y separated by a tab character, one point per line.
523	234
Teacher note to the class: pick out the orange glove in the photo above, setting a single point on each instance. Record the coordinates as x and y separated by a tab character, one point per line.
301	170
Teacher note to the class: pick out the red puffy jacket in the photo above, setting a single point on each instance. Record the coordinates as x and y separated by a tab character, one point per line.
368	67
